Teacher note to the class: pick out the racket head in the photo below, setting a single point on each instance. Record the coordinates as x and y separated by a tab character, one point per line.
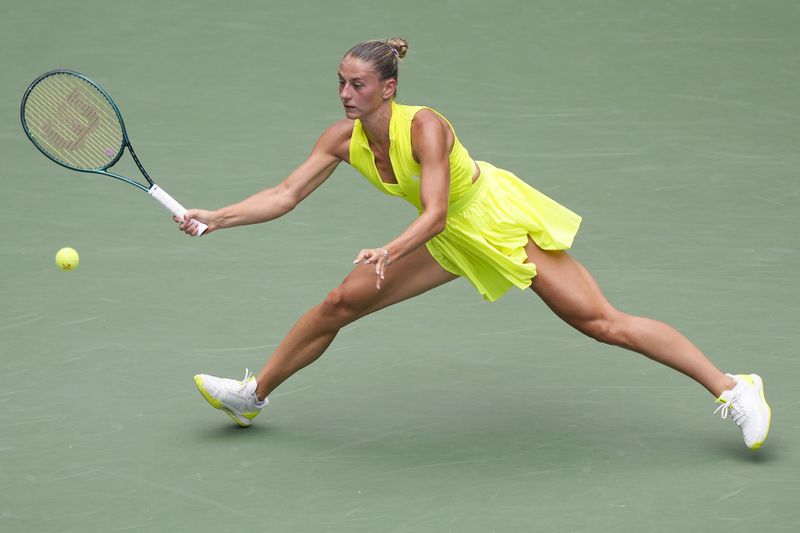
73	121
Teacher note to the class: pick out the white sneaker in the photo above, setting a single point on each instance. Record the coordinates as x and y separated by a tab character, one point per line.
237	398
748	408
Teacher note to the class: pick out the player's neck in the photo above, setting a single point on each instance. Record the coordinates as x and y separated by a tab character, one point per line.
376	124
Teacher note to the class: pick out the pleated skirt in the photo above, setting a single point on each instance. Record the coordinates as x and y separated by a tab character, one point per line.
488	229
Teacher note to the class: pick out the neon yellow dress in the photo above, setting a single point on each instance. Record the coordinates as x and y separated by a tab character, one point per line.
488	222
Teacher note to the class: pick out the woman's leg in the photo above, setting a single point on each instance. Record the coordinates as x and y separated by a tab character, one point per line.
356	297
571	292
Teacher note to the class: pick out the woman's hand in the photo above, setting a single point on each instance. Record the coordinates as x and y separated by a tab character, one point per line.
377	256
188	224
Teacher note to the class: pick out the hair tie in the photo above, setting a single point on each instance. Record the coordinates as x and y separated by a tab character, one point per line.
395	52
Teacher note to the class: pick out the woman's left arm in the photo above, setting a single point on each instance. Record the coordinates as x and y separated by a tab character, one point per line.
429	141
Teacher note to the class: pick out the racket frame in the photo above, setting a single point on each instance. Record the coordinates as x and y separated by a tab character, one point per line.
151	188
121	150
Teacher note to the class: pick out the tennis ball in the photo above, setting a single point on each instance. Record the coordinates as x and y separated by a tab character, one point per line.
67	259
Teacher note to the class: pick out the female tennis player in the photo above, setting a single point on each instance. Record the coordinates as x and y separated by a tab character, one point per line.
475	221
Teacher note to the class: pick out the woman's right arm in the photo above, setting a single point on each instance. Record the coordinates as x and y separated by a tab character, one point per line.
269	204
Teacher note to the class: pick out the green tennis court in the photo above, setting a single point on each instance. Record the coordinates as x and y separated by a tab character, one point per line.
670	126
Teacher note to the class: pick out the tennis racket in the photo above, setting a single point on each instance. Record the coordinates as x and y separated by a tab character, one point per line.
75	123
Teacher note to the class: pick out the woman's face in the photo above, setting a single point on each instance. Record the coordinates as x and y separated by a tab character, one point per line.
360	89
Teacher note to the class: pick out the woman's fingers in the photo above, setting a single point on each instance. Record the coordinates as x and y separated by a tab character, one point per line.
190	222
366	257
377	257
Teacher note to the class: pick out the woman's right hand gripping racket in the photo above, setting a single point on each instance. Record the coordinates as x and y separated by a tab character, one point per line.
75	123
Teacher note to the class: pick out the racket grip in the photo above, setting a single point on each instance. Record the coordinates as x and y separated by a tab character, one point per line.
172	205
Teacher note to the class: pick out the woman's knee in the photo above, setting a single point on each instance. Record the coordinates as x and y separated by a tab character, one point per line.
342	305
611	328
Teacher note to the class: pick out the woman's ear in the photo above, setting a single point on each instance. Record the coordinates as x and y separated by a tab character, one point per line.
390	88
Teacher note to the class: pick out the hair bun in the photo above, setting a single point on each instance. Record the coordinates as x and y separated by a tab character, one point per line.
399	45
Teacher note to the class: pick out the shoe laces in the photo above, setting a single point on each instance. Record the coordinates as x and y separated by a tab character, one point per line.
735	408
245	380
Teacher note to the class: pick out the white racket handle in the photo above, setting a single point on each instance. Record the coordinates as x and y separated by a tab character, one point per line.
172	205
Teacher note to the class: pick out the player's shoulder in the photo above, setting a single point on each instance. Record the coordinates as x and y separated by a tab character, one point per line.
428	124
424	113
341	129
336	138
427	119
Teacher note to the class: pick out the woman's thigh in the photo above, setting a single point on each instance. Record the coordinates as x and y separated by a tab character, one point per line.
414	274
567	287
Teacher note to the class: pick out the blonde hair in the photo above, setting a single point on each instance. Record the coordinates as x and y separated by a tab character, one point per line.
384	56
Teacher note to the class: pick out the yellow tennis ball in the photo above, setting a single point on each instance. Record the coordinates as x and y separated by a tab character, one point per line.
67	259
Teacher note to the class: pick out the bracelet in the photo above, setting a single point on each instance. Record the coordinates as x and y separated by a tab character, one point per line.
386	255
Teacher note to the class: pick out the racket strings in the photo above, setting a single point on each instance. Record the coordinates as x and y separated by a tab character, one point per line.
73	122
74	129
84	143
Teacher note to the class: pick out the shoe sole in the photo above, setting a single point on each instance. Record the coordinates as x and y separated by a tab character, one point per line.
760	386
216	404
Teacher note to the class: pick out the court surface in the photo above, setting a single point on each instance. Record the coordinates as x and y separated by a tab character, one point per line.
671	126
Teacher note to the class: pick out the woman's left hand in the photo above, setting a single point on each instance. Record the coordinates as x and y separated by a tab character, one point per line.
377	256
